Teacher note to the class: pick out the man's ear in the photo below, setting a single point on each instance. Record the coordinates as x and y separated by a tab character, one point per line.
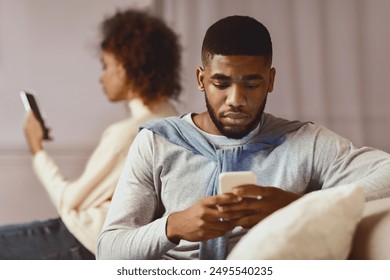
271	79
200	78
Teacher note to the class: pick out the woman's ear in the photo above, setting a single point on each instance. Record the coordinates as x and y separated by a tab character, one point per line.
199	78
122	72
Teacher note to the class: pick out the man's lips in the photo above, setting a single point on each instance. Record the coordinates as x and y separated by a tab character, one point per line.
235	117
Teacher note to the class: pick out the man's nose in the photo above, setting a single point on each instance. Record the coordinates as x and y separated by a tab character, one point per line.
235	96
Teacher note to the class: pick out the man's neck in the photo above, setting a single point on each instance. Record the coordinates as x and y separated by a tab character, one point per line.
204	123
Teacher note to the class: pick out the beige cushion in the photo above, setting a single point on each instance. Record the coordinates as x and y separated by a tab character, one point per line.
319	225
372	238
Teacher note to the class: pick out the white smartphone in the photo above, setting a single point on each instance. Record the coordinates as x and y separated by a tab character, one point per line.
229	180
30	104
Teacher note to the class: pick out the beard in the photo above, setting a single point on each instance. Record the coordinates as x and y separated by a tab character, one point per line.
231	131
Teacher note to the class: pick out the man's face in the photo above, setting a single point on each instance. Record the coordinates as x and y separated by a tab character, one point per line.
236	89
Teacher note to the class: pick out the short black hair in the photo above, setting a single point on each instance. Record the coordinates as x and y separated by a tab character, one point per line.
149	51
237	35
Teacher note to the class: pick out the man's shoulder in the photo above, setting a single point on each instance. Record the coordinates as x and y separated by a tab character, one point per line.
270	119
277	126
168	125
305	131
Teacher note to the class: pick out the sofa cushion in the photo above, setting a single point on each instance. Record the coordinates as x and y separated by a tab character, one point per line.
320	225
372	237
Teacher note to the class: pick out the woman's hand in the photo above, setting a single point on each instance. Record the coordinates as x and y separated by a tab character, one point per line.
33	133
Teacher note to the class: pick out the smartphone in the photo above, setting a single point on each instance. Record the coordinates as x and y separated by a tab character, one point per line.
229	180
30	104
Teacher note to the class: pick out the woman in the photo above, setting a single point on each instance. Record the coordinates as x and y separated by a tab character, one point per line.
141	64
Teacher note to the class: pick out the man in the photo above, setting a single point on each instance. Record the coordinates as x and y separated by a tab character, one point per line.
166	203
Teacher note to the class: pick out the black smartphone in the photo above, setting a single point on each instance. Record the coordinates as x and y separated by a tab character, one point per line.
30	104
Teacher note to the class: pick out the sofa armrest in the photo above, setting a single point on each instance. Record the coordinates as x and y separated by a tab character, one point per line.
372	236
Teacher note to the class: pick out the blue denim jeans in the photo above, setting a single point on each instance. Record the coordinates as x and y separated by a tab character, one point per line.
47	240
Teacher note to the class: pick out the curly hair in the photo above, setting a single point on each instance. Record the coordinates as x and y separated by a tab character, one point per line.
149	51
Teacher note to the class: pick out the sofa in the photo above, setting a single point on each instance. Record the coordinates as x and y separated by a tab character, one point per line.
332	224
372	235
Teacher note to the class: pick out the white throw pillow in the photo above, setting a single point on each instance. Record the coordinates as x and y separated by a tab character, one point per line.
320	225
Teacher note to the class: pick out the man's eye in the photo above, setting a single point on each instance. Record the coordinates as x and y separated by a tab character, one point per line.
252	85
221	86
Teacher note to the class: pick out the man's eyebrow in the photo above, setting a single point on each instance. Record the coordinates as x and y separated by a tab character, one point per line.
219	76
252	77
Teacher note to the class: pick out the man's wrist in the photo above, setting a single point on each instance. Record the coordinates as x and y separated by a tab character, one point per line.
169	229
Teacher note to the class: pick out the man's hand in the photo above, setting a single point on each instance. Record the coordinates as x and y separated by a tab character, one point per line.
213	216
203	220
259	202
33	133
